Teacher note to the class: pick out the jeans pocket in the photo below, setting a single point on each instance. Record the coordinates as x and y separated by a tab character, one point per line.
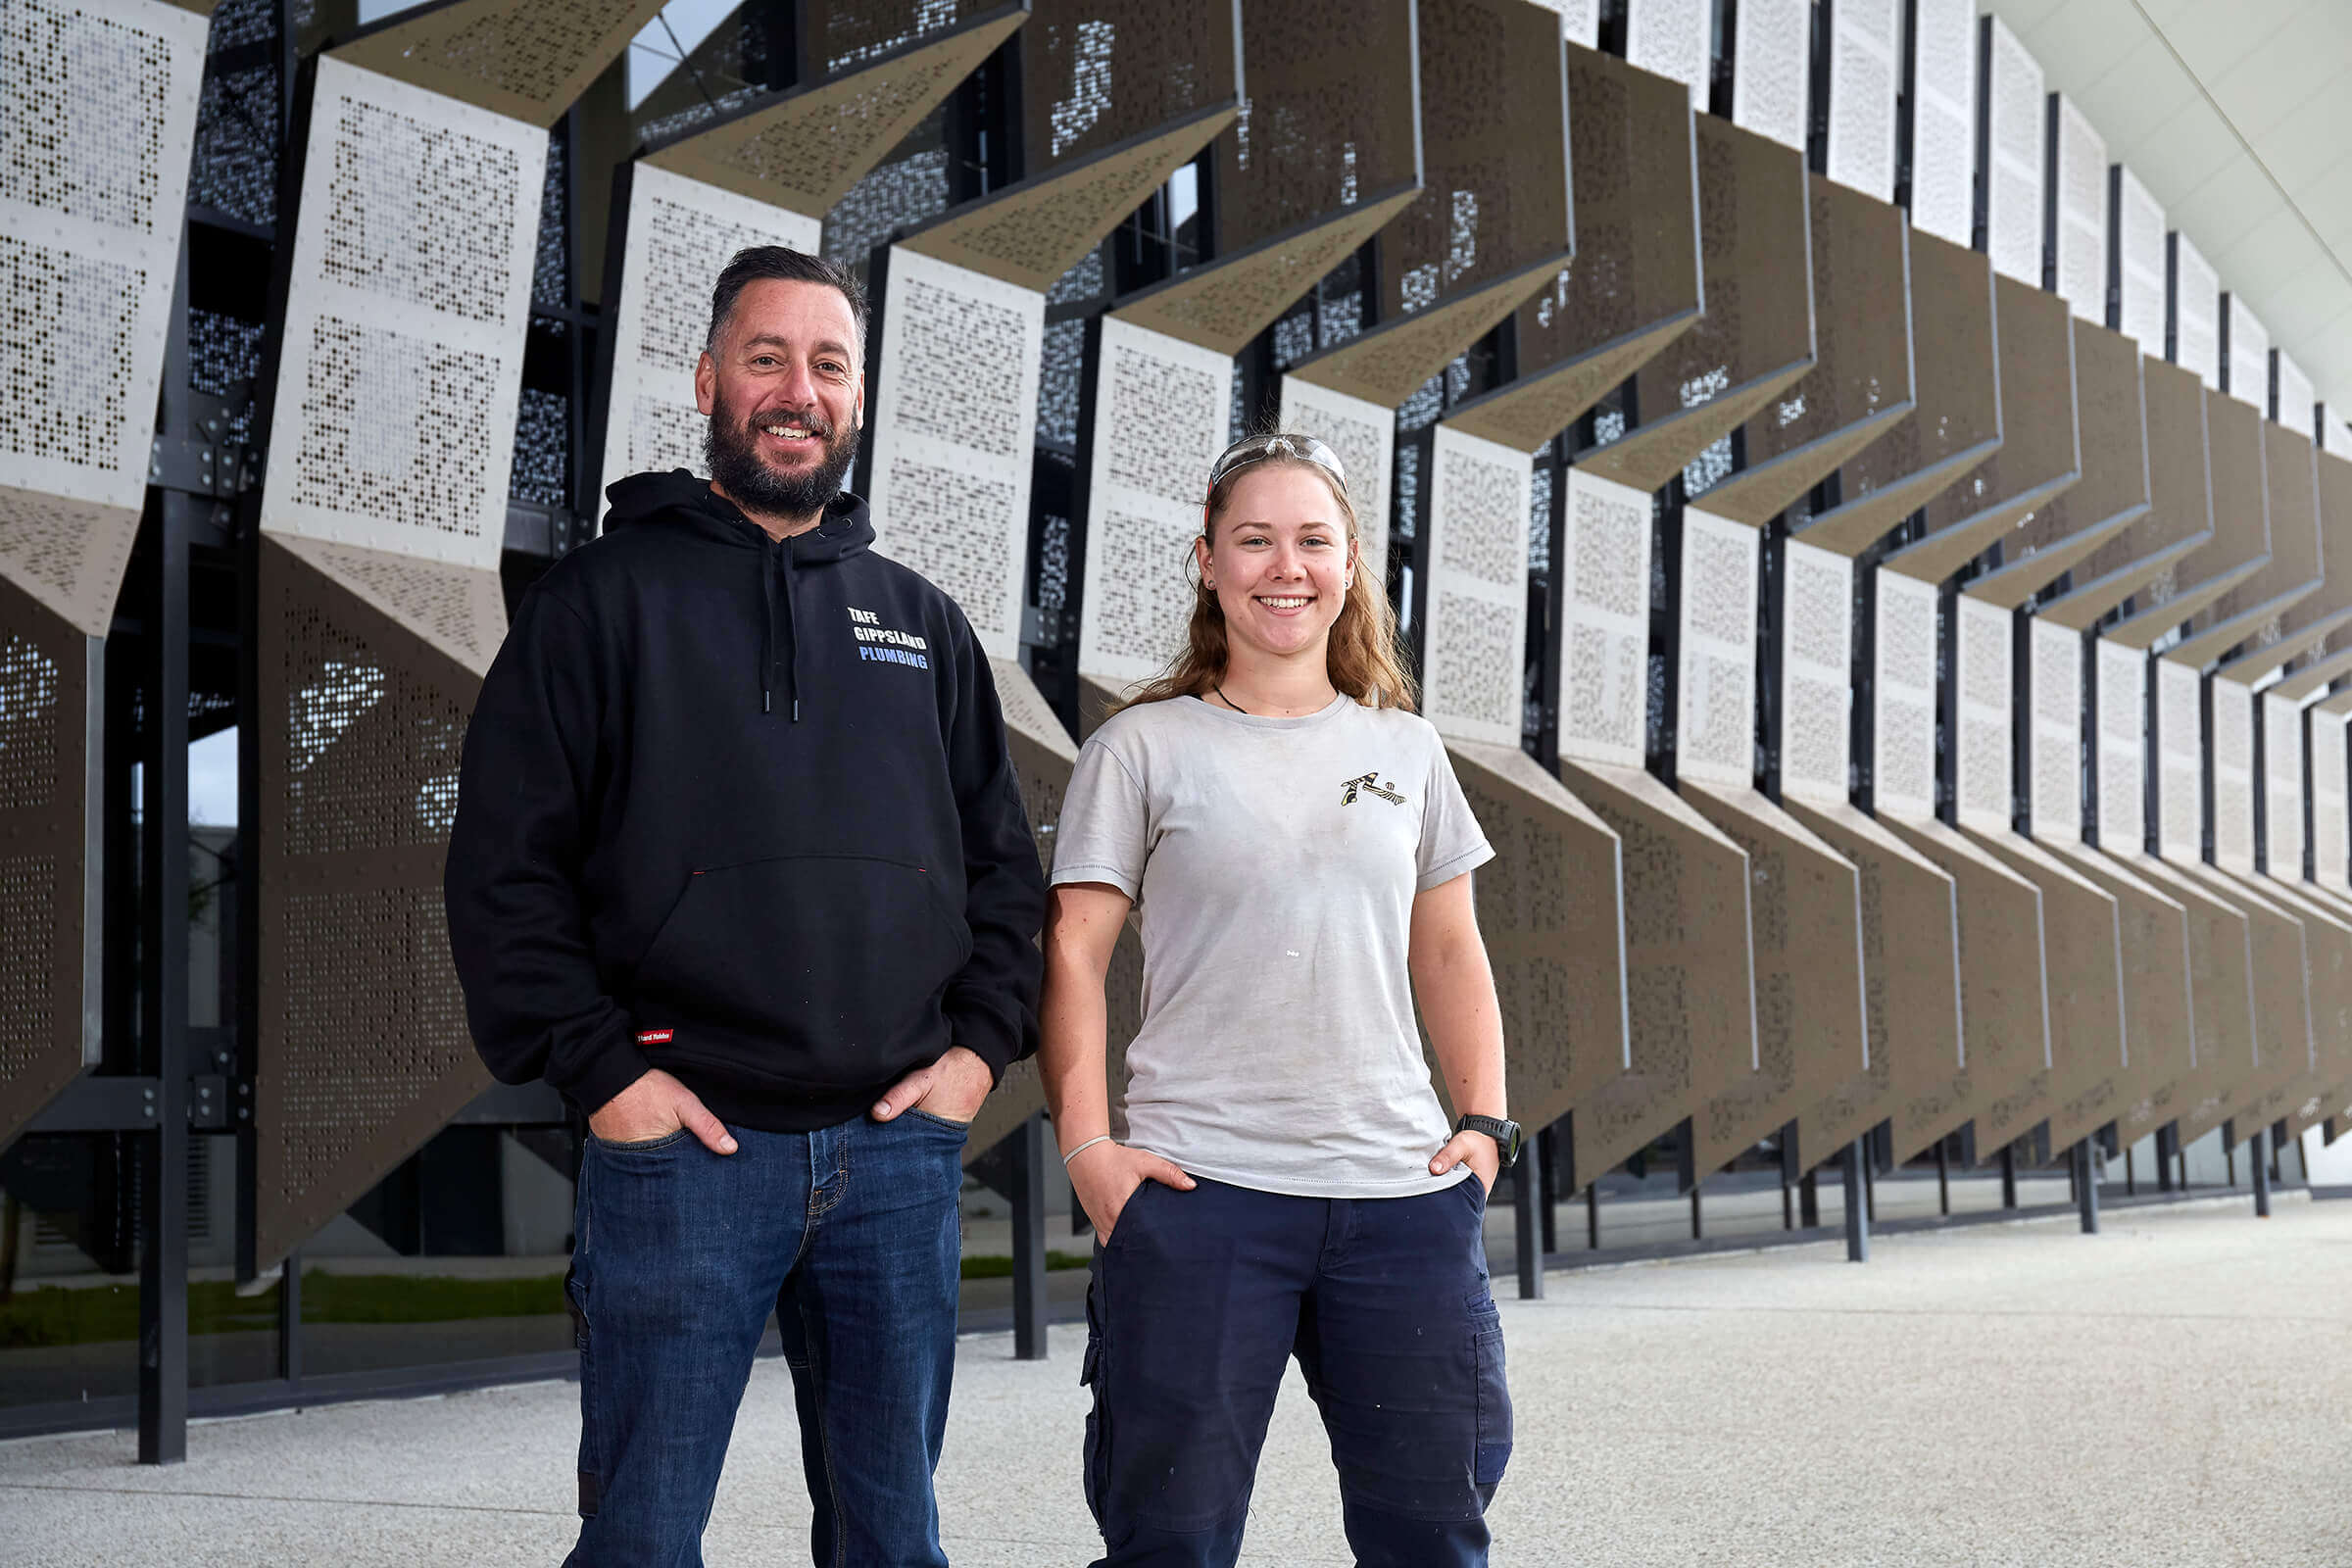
936	1121
641	1145
1494	1432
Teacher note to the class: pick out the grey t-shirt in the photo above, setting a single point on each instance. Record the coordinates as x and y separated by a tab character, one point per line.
1273	863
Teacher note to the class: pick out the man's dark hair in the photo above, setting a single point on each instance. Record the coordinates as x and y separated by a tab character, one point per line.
780	261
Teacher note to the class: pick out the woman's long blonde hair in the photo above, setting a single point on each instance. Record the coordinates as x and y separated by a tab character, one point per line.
1360	658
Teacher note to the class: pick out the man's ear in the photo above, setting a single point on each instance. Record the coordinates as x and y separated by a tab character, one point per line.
858	412
706	384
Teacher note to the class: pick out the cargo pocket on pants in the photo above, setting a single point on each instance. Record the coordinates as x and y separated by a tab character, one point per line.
1494	1403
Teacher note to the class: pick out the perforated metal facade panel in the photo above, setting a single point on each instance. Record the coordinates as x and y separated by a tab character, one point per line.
2139	245
1988	692
1817	637
681	232
2330	801
1866	72
2262	477
2013	172
2122	804
1944	120
1095	72
2081	236
2103	504
2196	311
1579	20
1904	696
97	110
2246	376
1160	412
1475	640
406	322
1715	739
1363	434
2296	410
1772	67
1604	625
1672	38
2057	761
953	428
526	59
2233	708
2180	764
2282	787
49	858
2168	553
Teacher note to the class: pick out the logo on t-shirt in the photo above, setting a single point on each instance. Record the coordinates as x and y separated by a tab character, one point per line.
1368	783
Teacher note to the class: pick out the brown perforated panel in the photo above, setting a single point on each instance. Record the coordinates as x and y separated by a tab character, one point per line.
529	58
2112	494
1690	987
2280	1043
1388	364
2039	459
363	1050
1494	139
1549	906
806	151
1805	915
459	610
2314	1062
1032	232
1956	423
45	691
2290	468
2082	953
1330	119
2241	546
1755	338
847	35
1095	73
1910	983
2004	1086
2159	1029
1860	383
2152	558
69	555
2220	988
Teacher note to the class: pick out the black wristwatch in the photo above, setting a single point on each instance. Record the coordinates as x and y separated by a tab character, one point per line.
1504	1133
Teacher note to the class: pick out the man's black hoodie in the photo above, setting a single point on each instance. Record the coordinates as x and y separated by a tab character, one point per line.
742	811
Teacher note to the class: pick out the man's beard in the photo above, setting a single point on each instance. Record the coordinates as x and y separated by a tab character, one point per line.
731	447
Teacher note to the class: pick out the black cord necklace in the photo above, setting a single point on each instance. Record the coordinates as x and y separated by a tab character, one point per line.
1230	703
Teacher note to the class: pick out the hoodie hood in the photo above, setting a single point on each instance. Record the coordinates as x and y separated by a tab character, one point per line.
679	499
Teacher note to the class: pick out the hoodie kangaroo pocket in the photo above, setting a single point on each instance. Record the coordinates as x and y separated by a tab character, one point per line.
830	964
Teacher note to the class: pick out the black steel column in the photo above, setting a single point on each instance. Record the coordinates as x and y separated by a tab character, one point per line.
1527	1227
1943	1176
2262	1174
2008	1176
289	1318
1808	1201
1697	1226
1029	1240
2086	1187
1592	1216
1857	1218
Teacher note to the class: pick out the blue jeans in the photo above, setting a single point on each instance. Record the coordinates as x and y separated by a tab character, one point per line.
850	1235
1198	1301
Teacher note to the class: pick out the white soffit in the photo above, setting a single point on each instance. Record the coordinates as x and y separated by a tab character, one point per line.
2236	114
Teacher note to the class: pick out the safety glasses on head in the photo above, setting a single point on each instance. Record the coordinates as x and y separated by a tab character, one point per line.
1258	447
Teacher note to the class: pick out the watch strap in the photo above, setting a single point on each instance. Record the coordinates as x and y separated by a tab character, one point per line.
1505	1134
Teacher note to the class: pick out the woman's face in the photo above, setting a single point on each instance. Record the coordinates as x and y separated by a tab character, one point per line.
1279	559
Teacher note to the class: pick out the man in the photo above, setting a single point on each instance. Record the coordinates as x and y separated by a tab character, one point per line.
741	867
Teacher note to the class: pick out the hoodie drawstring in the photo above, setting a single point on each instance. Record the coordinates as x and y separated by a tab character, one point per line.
792	629
778	556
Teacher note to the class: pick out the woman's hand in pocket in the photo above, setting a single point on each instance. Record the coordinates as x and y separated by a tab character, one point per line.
1106	1175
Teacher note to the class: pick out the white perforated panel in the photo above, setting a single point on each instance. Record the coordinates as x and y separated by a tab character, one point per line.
2123	722
1944	120
2296	409
2139	243
1579	20
2013	172
2233	777
1771	69
1473	670
2197	313
2179	762
1817	652
1903	704
394	426
1716	721
1364	435
1672	38
954	421
2081	236
1985	686
681	232
2282	787
1866	70
1160	412
97	110
1605	623
2247	375
2330	835
2057	761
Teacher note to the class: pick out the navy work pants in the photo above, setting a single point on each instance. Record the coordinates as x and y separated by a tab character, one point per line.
1198	1300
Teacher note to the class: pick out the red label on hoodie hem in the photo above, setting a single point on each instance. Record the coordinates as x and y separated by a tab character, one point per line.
654	1037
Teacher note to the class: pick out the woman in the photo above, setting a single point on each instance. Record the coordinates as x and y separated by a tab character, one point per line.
1280	1180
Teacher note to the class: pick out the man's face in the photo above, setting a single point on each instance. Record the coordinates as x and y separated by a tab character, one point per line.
786	396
